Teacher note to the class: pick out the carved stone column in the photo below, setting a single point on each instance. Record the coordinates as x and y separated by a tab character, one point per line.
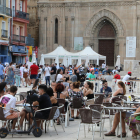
45	20
72	22
66	27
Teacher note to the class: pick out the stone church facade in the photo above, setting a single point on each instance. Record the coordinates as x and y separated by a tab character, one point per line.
104	25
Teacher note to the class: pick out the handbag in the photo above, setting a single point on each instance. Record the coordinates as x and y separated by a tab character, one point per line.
25	74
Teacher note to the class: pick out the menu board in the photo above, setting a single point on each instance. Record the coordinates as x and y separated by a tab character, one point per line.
131	46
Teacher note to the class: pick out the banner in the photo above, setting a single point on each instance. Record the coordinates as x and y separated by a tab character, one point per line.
78	43
131	46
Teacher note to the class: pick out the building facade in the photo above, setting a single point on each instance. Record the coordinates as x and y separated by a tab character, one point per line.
18	31
5	16
33	26
102	24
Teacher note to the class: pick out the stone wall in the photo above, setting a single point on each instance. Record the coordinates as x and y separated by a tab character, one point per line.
81	18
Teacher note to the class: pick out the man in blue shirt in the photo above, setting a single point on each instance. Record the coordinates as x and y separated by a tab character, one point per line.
61	67
1	72
106	89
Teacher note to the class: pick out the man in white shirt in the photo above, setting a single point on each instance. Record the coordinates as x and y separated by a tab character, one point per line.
9	101
21	71
103	65
47	74
127	77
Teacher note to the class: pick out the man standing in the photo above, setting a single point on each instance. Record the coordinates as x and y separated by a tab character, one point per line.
103	65
21	73
34	69
47	74
1	72
53	72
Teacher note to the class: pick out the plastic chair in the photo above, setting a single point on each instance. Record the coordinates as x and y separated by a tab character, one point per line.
64	111
86	118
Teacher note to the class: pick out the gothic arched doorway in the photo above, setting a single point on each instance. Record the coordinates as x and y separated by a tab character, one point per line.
106	42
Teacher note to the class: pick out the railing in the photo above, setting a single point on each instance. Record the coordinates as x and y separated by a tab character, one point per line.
20	14
18	38
4	33
5	10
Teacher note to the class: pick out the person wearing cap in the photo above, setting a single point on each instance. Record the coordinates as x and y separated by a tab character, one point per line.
117	76
34	69
3	87
127	77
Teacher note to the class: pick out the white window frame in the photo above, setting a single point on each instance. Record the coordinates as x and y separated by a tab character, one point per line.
2	24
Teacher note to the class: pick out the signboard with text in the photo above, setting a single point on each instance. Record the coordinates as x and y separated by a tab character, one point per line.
78	43
131	46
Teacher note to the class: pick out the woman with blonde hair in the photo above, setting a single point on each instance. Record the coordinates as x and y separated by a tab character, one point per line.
121	90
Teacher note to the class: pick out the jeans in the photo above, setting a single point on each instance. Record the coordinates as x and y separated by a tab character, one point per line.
17	80
104	71
47	79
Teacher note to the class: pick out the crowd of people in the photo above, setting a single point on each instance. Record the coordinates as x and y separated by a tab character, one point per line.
60	82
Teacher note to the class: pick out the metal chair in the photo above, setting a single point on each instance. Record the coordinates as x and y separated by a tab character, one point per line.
86	118
99	99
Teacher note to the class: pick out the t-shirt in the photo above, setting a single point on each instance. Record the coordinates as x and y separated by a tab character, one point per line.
9	101
107	90
73	78
1	69
62	68
34	69
126	77
88	74
54	70
108	78
117	76
91	69
103	65
22	69
91	76
70	72
47	70
44	102
96	70
40	71
58	78
17	71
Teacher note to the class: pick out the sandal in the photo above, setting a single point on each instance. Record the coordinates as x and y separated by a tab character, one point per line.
110	134
123	135
134	136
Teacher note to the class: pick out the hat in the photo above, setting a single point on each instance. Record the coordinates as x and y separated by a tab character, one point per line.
2	86
34	62
129	72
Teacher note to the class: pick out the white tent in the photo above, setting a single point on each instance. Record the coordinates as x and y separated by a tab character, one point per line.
61	53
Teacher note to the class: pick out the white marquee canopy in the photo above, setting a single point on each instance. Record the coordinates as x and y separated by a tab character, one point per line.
60	53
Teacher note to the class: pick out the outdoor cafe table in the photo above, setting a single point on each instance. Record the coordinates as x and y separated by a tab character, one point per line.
120	109
131	102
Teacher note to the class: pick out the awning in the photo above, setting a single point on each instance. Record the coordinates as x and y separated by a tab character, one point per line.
19	54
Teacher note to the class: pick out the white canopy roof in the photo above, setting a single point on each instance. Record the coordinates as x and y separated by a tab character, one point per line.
88	53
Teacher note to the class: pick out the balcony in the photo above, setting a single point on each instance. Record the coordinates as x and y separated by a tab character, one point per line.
18	38
5	11
4	33
20	14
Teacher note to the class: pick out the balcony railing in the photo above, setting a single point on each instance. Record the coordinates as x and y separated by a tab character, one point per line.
4	33
20	14
18	38
5	10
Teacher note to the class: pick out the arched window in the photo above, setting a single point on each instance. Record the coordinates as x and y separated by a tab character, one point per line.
56	31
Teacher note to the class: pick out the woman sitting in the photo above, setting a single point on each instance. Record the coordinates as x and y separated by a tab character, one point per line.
88	90
75	92
59	91
121	90
52	98
125	118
